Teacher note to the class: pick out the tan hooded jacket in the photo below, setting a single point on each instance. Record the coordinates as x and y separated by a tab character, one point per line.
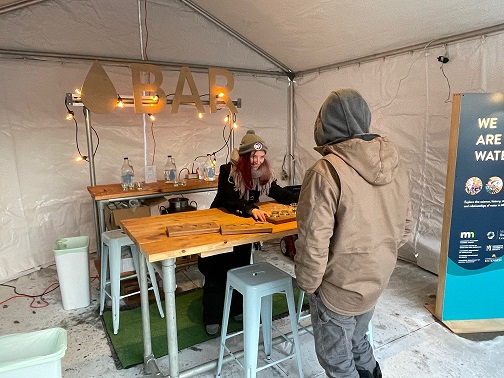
353	215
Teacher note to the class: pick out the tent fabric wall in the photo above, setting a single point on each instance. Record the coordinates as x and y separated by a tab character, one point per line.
410	100
44	194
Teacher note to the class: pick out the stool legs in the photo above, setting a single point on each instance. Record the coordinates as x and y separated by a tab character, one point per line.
258	283
251	323
293	318
110	272
266	320
103	276
115	284
152	275
225	321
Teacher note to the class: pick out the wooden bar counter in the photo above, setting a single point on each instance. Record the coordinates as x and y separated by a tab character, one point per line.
103	194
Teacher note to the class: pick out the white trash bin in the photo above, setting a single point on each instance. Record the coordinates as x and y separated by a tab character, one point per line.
33	354
72	263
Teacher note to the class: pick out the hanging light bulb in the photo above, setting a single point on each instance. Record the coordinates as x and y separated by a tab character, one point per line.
200	115
151	116
226	119
220	95
235	125
120	103
70	115
78	91
81	158
155	98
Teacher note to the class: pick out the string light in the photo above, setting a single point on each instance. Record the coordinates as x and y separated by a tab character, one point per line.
120	103
226	119
81	158
155	98
235	125
220	95
200	115
151	116
78	91
70	115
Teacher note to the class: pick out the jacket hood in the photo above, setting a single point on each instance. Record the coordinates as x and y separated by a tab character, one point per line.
343	115
376	160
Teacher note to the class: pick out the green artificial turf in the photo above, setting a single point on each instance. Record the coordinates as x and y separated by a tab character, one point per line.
128	346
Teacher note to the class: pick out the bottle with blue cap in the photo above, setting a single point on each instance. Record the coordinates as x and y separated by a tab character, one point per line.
209	169
127	174
170	171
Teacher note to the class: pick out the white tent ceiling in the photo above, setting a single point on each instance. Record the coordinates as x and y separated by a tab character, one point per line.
297	35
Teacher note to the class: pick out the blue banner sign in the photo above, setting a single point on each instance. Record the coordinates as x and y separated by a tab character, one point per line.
474	279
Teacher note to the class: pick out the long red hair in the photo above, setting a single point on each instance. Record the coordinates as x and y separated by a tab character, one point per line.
243	166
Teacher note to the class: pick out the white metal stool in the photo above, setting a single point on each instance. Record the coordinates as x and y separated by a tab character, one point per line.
257	283
300	317
112	241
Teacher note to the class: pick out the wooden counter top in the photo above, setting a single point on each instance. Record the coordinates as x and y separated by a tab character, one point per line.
114	191
150	233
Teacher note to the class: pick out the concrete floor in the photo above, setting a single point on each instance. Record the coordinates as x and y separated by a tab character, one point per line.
409	342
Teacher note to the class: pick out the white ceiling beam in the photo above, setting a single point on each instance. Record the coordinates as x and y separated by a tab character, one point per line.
18	5
40	55
407	49
238	36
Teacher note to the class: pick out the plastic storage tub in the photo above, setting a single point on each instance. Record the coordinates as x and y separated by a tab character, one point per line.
72	263
34	354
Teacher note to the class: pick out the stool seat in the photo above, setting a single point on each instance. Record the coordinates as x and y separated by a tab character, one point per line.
110	272
257	283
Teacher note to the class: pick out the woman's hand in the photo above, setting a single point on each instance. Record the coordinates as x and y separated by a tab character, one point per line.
259	215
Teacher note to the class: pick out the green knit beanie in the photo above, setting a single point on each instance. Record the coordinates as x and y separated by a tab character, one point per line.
251	142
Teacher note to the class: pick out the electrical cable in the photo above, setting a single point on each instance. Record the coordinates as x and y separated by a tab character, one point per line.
77	132
403	78
154	143
285	176
226	144
448	82
146	31
33	297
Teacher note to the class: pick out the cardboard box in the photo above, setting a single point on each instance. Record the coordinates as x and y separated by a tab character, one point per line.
115	212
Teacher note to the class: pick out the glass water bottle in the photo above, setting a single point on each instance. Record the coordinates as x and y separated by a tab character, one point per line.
127	175
170	171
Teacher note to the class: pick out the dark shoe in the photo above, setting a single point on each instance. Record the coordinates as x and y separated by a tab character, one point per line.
377	371
367	374
212	329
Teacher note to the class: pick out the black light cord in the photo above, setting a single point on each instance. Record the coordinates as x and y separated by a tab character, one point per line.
448	82
77	132
226	144
28	295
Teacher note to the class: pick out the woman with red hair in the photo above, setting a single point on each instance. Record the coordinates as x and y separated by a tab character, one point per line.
241	182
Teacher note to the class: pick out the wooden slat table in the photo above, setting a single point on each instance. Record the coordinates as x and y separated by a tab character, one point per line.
150	236
103	194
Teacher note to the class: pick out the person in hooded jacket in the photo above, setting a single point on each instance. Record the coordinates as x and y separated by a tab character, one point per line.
353	214
241	182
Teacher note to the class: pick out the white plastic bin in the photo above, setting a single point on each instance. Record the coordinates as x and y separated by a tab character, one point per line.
72	263
34	354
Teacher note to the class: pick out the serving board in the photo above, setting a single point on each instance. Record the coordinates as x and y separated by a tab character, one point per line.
281	218
192	229
244	228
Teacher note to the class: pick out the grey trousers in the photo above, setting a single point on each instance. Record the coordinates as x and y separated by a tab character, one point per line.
341	342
